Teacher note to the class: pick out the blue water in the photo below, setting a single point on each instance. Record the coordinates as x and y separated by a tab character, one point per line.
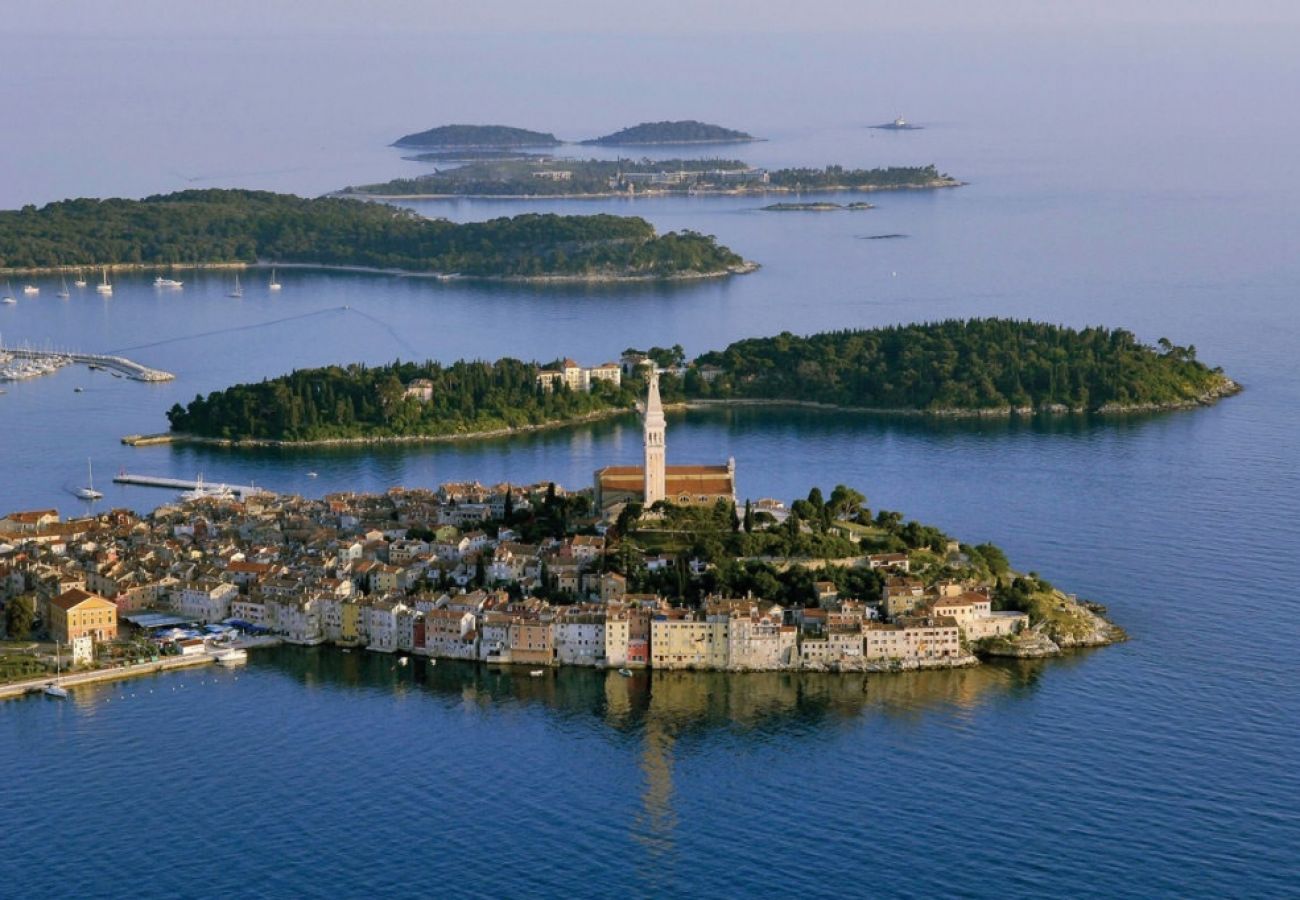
1104	189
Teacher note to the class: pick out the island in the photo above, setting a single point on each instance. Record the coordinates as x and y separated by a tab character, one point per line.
240	227
554	177
817	206
975	367
476	137
687	131
534	576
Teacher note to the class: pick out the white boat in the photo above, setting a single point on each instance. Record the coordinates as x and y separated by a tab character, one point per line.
626	673
64	293
88	492
274	285
232	657
537	673
161	282
9	300
238	291
31	290
53	688
9	294
79	281
202	491
311	474
105	287
403	660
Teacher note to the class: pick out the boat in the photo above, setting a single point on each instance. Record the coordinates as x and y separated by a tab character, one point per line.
64	293
899	124
53	688
274	285
232	657
403	661
160	282
311	474
9	300
626	673
88	492
31	290
202	491
433	662
79	281
537	673
77	390
9	294
238	291
105	287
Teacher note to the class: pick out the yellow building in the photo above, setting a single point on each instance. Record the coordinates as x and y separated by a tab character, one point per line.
350	627
687	643
77	613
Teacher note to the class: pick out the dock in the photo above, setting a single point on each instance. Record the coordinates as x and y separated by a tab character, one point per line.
118	364
181	484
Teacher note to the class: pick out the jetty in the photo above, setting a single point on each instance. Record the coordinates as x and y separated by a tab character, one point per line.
119	364
181	484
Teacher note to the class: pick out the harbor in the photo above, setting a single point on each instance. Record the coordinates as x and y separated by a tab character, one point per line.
196	489
18	363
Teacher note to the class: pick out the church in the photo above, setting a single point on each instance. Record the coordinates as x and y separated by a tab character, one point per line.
656	480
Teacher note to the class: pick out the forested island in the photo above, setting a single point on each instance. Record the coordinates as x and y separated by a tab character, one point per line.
476	137
554	177
205	227
686	131
962	367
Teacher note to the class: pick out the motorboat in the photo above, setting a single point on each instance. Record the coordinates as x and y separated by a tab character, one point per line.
30	290
232	657
161	282
626	673
537	673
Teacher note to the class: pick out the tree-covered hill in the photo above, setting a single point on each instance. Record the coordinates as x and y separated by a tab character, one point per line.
468	137
231	226
970	365
687	131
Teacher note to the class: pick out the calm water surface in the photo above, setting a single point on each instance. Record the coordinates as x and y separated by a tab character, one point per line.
1163	766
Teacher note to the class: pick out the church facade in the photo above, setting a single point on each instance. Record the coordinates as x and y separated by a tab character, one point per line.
655	480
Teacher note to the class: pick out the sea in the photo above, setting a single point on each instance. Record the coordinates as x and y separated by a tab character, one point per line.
1130	177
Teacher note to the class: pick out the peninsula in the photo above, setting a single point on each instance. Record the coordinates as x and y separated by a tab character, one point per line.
239	227
554	177
976	367
476	137
522	575
687	131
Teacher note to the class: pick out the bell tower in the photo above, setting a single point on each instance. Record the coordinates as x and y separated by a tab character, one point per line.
655	449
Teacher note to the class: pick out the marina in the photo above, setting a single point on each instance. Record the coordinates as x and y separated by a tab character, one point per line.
195	489
18	363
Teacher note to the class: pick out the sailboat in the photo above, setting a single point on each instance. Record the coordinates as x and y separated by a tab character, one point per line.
238	291
88	492
274	285
64	293
53	689
9	294
79	282
104	287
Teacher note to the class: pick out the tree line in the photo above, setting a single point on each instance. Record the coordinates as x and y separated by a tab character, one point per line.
216	226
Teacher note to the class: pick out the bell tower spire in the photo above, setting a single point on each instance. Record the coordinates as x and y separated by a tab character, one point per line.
655	428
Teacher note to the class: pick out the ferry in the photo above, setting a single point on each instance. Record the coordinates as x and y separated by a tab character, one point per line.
161	282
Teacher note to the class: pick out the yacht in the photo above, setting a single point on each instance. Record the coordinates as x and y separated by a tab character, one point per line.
54	689
105	287
79	282
64	293
88	492
274	285
9	294
202	491
238	291
161	282
30	290
7	299
232	657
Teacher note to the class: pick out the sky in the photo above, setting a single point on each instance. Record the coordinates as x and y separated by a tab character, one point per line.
113	18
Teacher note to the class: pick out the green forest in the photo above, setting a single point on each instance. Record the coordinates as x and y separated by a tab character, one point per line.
958	364
687	131
569	177
224	226
966	365
361	401
477	136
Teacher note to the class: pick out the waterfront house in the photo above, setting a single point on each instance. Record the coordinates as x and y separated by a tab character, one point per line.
78	613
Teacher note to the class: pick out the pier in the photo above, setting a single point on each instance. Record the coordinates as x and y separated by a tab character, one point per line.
118	364
181	484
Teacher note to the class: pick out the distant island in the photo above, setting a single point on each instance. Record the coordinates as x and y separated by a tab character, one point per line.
238	227
957	367
476	137
819	206
687	131
549	177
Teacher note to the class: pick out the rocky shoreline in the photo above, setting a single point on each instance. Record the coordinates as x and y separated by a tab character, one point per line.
936	184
